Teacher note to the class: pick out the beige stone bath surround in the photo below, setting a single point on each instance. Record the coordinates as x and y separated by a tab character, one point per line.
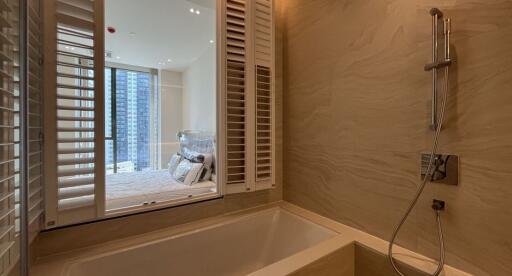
58	264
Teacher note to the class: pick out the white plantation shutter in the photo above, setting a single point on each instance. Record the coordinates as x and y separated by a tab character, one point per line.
264	81
74	94
35	120
249	95
236	96
9	134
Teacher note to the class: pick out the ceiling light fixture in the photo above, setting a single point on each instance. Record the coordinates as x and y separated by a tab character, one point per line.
118	57
198	12
192	10
211	41
169	60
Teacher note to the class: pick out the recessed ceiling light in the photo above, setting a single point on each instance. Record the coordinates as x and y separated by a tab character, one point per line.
211	41
192	10
169	60
118	57
198	12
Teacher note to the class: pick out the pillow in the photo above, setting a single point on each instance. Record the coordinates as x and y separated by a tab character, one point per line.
206	173
205	158
187	172
173	163
193	156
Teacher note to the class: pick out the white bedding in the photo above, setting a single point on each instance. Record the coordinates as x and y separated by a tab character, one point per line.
136	188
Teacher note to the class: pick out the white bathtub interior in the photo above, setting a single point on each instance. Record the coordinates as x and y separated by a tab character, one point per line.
237	247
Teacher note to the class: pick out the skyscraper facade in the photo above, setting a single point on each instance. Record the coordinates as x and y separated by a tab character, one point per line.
132	120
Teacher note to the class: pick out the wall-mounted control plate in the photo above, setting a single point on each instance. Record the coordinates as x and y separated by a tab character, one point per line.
445	168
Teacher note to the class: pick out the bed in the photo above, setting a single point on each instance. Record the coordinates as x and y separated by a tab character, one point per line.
136	188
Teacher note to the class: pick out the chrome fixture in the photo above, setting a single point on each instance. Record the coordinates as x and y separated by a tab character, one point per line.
445	168
434	168
436	63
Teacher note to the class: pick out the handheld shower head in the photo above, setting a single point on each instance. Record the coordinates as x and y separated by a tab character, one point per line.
447	26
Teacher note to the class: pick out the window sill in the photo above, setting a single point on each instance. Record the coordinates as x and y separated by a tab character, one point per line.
159	205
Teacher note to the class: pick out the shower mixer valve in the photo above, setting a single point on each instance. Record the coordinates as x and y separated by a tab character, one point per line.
444	170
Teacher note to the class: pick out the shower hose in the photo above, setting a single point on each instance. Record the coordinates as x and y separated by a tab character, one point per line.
424	181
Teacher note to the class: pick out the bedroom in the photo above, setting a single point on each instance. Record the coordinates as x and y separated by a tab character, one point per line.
160	100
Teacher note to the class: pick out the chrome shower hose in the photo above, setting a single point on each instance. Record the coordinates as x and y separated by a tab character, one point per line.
421	188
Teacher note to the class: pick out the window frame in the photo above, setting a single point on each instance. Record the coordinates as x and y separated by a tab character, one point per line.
219	135
63	218
113	68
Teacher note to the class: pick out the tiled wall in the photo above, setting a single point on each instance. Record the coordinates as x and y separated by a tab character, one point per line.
356	116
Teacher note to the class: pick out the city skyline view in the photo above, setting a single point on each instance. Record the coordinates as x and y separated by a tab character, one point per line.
131	112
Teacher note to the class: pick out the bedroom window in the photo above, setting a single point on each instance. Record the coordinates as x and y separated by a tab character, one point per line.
155	106
159	104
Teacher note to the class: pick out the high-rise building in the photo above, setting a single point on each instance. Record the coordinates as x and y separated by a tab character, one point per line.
133	113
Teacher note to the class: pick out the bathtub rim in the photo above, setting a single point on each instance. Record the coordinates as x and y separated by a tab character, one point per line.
347	237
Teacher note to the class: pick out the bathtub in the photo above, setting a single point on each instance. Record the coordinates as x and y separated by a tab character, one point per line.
237	247
275	240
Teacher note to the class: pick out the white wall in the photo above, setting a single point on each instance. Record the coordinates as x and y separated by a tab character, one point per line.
171	89
199	93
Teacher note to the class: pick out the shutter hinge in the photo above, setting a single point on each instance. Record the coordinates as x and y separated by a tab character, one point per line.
41	138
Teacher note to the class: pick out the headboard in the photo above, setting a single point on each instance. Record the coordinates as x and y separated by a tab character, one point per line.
198	141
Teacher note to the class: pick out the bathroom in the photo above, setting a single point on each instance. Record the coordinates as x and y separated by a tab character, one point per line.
347	137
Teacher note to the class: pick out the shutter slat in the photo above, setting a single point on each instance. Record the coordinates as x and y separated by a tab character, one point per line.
74	171
78	119
75	129
77	181
75	161
73	97
78	191
76	203
75	150
75	140
73	107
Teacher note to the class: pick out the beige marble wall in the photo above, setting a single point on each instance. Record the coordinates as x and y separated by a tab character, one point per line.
356	115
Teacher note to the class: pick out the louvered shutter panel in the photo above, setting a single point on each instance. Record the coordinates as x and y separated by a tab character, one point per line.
9	136
35	119
264	82
236	95
75	172
249	99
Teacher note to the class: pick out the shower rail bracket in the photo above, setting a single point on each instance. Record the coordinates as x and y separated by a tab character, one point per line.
437	65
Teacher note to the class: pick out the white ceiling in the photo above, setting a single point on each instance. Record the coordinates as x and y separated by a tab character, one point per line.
150	32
